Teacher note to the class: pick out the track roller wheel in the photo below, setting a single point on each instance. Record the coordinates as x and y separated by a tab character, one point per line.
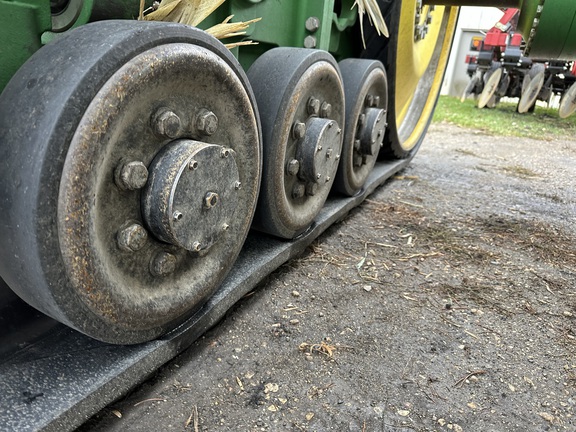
366	94
415	57
491	83
301	101
568	103
131	159
534	81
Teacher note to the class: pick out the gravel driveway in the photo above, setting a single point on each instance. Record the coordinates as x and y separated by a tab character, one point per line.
446	302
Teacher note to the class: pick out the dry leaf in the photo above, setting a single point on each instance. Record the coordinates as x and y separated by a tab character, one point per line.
374	16
117	413
189	12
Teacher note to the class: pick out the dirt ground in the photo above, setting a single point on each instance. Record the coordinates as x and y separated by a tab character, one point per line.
446	302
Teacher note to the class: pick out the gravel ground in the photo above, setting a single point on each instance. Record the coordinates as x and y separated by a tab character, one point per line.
446	302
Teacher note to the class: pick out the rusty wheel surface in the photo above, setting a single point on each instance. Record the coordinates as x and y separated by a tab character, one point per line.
301	102
141	175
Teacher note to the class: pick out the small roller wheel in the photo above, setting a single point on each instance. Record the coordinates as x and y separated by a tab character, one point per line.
415	57
131	159
366	94
470	88
301	101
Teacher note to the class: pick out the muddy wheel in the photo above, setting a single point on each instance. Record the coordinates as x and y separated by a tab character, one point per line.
132	164
531	90
415	57
568	103
301	101
491	83
366	94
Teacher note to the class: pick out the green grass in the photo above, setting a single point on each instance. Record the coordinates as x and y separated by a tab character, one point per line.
543	124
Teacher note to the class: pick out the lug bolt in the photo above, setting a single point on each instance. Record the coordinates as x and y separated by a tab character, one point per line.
325	110
337	157
357	145
362	119
311	189
328	153
131	175
177	215
206	122
312	24
132	238
298	190
211	199
166	123
376	101
310	41
293	167
193	165
196	247
225	227
313	106
238	185
163	264
318	176
224	153
369	100
298	130
328	178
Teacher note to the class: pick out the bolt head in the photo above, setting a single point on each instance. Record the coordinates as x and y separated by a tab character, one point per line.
206	122
163	264
376	101
298	191
177	215
298	130
311	189
325	110
312	24
211	199
313	106
329	153
293	167
237	185
131	175
132	238
310	41
369	100
193	165
196	247
224	153
166	123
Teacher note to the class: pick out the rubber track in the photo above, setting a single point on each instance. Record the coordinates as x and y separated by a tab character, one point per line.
62	380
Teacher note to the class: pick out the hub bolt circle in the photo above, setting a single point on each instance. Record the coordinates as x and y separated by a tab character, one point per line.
131	175
206	122
166	123
163	264
132	238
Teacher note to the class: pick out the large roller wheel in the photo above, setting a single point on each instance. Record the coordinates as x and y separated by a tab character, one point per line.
534	81
130	165
415	57
568	103
366	92
301	102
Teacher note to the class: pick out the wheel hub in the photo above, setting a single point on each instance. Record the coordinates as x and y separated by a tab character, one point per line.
317	154
191	196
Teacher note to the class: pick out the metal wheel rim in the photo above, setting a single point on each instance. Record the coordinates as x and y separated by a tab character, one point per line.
568	103
530	93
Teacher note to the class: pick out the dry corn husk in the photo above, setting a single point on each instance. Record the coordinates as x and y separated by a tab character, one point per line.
189	12
227	29
374	16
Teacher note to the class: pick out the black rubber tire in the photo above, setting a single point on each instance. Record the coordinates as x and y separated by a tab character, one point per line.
39	115
385	50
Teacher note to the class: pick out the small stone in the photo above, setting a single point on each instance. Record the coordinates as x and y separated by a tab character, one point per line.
546	416
441	421
367	288
321	314
403	413
472	405
309	416
295	293
457	428
512	388
567	314
294	322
